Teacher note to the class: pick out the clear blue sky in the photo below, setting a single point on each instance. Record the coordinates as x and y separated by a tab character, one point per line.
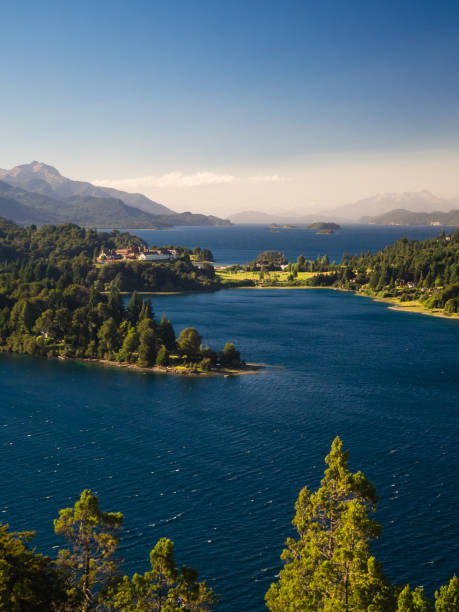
114	89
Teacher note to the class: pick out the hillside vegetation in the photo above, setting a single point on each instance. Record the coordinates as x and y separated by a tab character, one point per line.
55	301
408	270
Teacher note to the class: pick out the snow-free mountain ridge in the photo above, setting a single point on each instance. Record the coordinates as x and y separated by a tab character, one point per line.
47	180
38	193
356	212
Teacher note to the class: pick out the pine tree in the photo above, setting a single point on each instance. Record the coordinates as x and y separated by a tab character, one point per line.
447	598
189	343
133	308
413	601
147	348
164	587
108	336
329	567
28	581
129	346
115	303
167	334
229	356
89	563
146	311
162	358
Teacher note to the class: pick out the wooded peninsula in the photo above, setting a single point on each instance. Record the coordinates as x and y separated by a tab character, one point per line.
57	301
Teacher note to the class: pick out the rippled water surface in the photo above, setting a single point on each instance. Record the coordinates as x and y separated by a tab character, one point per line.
216	464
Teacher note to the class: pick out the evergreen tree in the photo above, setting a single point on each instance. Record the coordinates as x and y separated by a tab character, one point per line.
146	312
115	304
447	598
134	308
29	582
189	343
329	567
129	346
163	588
162	358
413	601
108	336
229	356
301	263
167	334
145	324
89	562
147	348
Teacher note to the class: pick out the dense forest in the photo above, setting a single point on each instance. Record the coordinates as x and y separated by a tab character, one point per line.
409	270
65	254
55	301
328	567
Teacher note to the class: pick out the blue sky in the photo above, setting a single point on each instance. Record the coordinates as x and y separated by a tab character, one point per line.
119	91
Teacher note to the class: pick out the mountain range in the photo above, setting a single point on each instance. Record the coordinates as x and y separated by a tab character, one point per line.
407	217
38	193
356	212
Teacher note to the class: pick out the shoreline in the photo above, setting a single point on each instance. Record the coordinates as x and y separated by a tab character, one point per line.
249	368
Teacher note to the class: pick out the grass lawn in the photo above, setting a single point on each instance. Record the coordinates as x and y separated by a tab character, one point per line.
263	279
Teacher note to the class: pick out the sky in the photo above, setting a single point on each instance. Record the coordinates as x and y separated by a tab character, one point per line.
219	106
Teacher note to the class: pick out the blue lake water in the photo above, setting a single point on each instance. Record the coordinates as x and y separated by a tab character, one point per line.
216	464
242	243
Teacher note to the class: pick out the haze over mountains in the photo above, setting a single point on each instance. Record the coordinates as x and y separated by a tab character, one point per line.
38	193
361	211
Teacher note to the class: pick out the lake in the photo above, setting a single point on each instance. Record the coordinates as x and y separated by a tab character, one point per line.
216	464
242	243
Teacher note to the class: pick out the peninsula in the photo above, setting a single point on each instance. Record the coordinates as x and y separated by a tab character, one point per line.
60	296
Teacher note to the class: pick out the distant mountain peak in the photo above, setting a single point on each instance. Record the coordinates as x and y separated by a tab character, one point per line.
41	167
415	201
35	169
42	194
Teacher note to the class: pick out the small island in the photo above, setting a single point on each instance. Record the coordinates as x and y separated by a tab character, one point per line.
323	227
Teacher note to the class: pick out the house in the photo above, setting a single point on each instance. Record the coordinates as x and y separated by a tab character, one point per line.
131	252
107	257
153	256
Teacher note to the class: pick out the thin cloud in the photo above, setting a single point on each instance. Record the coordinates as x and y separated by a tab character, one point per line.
179	179
264	178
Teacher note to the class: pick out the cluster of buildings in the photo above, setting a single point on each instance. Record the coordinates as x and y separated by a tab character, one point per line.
136	253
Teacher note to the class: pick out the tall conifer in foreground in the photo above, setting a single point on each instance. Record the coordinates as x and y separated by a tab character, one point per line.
329	567
93	539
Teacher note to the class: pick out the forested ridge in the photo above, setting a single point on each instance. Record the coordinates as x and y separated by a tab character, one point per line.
55	301
328	567
409	270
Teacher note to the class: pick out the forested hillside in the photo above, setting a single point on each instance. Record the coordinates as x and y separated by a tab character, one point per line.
56	301
408	270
